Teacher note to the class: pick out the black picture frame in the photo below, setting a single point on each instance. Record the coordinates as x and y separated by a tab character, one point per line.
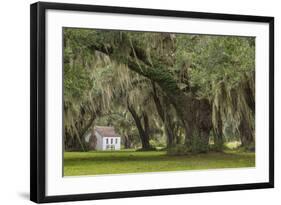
38	101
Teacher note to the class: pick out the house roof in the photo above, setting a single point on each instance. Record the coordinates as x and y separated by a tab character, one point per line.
105	131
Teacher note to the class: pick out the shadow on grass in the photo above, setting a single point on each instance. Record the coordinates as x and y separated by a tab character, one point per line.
135	156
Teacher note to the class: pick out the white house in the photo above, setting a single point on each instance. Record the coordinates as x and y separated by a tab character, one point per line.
104	138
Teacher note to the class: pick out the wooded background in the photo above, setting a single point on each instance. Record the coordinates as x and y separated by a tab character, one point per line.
188	93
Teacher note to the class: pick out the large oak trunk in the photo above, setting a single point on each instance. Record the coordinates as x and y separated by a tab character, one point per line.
143	133
165	117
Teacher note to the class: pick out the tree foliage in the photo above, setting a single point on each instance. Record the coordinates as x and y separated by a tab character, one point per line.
153	86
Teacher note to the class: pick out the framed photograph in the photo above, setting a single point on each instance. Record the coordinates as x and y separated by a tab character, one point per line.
129	102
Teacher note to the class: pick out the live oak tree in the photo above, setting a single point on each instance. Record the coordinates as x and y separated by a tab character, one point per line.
197	83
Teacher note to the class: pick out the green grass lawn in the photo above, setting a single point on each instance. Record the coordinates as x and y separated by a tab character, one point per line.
130	161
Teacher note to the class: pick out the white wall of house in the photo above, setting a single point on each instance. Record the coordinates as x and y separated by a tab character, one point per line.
118	144
99	145
117	141
112	141
103	142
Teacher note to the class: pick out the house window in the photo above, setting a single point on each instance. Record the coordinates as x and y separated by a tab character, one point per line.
106	140
116	140
111	140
